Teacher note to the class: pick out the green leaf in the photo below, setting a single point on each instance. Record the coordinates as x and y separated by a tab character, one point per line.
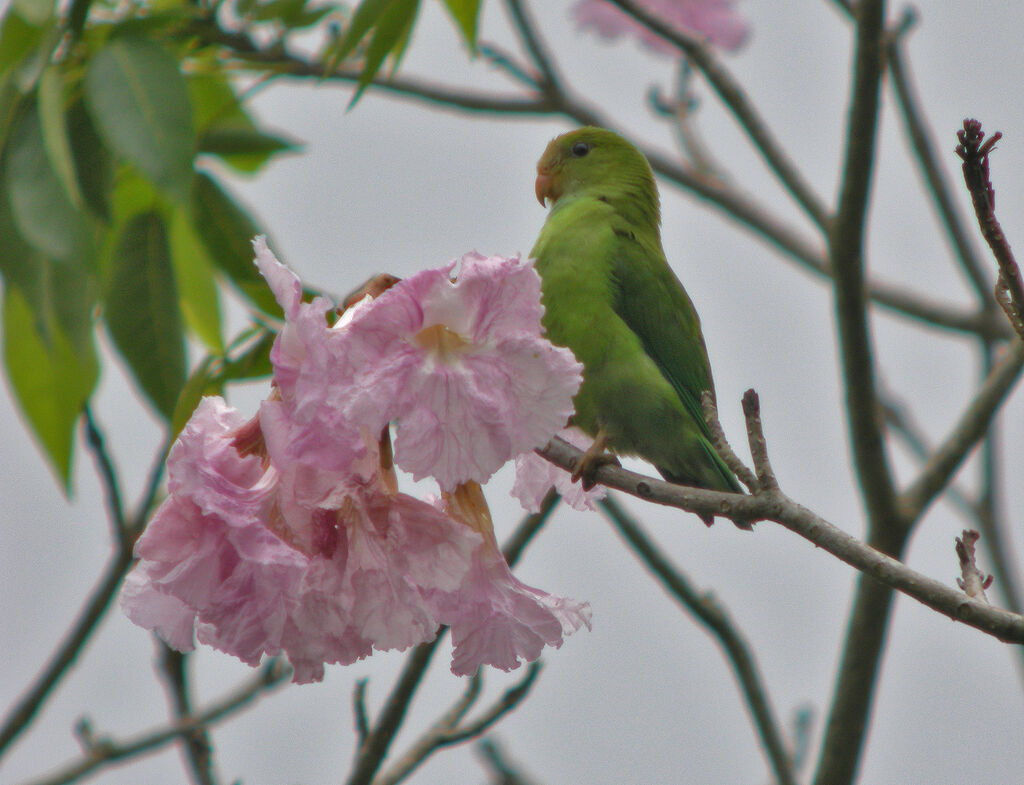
200	383
245	149
466	14
139	101
142	311
55	132
17	39
249	357
226	130
42	211
51	375
197	287
94	165
390	37
227	231
391	22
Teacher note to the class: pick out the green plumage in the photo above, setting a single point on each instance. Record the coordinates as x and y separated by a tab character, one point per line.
610	296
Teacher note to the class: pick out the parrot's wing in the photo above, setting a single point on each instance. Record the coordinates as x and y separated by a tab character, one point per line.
652	302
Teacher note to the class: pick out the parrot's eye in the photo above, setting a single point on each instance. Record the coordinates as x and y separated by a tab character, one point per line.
580	149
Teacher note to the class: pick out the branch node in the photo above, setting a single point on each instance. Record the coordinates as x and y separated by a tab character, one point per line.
722	446
973	581
758	445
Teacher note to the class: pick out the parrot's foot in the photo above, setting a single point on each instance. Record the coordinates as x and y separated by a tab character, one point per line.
593	459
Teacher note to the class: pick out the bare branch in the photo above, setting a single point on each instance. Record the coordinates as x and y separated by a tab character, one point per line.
776	506
502	770
722	446
971	428
716	619
846	250
374	745
446	731
78	634
1009	291
758	446
733	96
530	36
108	476
103	751
196	745
360	716
846	725
921	139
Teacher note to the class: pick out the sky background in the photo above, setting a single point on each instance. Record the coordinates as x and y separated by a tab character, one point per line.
646	697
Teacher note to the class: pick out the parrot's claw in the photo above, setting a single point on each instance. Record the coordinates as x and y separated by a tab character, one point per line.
593	459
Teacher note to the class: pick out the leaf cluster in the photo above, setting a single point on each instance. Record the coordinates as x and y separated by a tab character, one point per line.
113	215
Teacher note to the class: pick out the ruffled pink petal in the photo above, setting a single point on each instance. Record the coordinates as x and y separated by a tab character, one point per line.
498	620
536	476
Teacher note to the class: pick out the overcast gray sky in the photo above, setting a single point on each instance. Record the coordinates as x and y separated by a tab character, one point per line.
646	696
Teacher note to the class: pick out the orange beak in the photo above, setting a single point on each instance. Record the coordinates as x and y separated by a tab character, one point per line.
544	187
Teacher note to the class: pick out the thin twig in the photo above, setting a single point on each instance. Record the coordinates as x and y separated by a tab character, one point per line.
716	619
197	748
921	139
447	732
776	506
1009	292
108	476
736	100
103	751
360	717
67	652
530	35
722	446
969	430
503	771
373	747
758	445
732	202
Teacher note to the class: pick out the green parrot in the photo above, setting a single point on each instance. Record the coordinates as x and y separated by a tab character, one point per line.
610	296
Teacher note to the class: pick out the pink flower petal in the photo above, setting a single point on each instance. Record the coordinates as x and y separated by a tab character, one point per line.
536	476
716	19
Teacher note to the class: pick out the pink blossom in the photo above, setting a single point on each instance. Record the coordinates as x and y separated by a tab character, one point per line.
286	533
253	572
495	618
460	365
463	368
536	476
715	19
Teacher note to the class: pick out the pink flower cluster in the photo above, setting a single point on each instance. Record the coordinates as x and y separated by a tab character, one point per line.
715	19
287	533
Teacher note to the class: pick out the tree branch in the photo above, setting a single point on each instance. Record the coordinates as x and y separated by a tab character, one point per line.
846	251
78	634
446	731
103	752
776	506
197	749
1009	292
735	99
973	424
921	139
375	744
716	619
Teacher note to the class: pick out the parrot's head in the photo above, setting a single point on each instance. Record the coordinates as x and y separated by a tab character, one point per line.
595	161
